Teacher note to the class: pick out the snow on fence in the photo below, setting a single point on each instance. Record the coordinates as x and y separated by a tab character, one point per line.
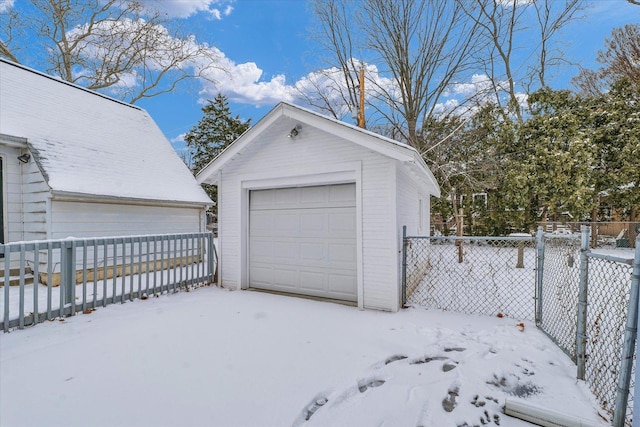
56	278
586	302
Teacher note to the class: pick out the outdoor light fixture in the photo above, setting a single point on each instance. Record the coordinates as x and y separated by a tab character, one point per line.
24	158
295	131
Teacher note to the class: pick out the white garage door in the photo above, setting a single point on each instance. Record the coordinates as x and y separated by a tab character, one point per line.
303	240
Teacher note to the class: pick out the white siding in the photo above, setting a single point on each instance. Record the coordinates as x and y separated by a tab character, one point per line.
25	196
34	202
12	194
79	219
413	208
274	153
409	198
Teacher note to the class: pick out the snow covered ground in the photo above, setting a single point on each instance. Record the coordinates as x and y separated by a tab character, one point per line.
212	357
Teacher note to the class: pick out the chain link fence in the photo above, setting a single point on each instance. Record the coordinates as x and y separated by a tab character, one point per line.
609	305
559	291
475	275
584	306
586	302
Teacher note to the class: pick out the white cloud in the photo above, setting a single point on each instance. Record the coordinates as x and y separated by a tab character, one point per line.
446	108
185	8
5	5
112	40
509	3
472	95
243	83
479	83
329	86
178	139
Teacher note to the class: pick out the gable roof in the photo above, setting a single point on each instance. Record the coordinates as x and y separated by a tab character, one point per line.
370	140
89	145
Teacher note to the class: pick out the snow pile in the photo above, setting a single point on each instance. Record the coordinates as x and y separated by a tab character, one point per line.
214	357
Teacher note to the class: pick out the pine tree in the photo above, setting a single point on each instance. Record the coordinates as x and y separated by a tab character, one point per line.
214	132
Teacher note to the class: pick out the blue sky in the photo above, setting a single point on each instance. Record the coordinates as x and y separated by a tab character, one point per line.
267	48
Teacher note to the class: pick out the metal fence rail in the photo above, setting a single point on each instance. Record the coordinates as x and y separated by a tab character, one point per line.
57	278
586	302
474	275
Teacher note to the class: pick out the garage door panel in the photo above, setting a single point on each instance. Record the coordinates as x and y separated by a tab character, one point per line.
262	274
312	223
303	240
261	248
342	193
261	224
285	277
313	281
342	222
262	199
314	195
313	252
285	197
342	284
286	250
285	224
341	253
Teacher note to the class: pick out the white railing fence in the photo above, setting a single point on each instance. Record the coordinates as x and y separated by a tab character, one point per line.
44	280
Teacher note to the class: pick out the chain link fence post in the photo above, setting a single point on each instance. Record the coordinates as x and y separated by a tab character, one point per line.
539	273
581	331
404	265
628	349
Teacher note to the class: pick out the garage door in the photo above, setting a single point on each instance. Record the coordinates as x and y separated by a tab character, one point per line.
303	240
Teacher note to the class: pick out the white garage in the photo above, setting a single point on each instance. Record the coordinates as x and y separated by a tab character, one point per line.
312	206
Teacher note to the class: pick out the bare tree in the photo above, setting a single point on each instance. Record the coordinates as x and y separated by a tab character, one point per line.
114	45
502	23
552	16
337	87
620	58
421	44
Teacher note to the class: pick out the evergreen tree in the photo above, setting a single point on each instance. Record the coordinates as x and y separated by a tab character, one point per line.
557	157
214	132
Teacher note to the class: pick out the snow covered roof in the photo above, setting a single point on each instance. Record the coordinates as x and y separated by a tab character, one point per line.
357	135
89	145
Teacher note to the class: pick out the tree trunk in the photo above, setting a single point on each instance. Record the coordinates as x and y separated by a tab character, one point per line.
633	227
594	226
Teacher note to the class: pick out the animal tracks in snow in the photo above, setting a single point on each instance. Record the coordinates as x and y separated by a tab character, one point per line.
370	383
428	389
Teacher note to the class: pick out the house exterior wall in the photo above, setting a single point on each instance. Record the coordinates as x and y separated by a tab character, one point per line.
413	206
82	219
306	160
35	198
25	197
12	192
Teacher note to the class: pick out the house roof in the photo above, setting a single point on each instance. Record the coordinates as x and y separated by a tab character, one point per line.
89	145
370	140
